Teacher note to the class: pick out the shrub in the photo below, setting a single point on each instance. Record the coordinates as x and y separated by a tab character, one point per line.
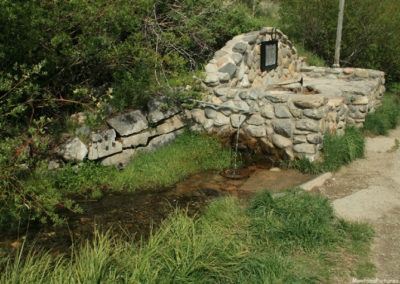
313	24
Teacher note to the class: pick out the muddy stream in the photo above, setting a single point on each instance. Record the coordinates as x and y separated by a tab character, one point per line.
134	215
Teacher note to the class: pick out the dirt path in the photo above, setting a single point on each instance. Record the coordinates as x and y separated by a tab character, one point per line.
368	190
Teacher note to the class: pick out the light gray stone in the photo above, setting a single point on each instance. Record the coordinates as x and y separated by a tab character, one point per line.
55	164
245	83
73	150
224	92
227	108
135	140
304	148
171	124
237	119
309	101
226	65
199	116
255	119
276	96
212	68
212	79
281	142
162	140
240	47
267	110
237	58
210	112
221	120
242	105
313	113
129	123
308	125
315	138
283	127
103	145
161	108
256	131
223	77
282	111
120	160
220	53
299	139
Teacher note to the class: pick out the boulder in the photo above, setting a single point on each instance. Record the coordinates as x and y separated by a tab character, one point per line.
104	144
283	127
120	160
135	140
73	150
161	108
129	123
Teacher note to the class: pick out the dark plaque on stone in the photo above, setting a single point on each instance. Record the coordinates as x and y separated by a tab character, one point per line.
269	55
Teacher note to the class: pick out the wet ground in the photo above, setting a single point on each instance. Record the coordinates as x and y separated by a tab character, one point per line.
134	215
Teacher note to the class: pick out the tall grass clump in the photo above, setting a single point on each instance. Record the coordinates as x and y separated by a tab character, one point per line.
296	219
341	150
337	151
387	116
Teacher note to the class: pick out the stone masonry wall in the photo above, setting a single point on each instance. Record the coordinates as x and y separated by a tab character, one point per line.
272	112
278	116
128	134
237	64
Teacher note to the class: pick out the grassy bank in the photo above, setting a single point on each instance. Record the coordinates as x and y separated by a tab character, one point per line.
289	239
42	191
189	153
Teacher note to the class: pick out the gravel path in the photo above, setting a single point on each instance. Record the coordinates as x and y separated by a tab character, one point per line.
368	190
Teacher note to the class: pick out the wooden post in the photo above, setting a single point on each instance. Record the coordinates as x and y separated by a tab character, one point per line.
336	63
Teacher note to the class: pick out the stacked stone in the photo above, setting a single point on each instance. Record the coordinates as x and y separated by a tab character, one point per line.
362	89
274	120
237	64
134	131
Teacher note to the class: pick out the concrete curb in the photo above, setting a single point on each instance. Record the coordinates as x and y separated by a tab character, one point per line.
318	181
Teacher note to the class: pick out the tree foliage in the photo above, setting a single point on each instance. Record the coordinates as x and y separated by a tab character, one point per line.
86	48
371	34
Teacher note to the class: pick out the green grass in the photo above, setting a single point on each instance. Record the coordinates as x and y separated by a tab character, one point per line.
189	153
293	238
387	116
337	151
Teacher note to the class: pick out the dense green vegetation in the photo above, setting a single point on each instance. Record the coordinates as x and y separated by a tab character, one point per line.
272	240
387	116
66	55
370	38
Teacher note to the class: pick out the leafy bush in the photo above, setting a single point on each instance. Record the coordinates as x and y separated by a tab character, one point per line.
313	24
